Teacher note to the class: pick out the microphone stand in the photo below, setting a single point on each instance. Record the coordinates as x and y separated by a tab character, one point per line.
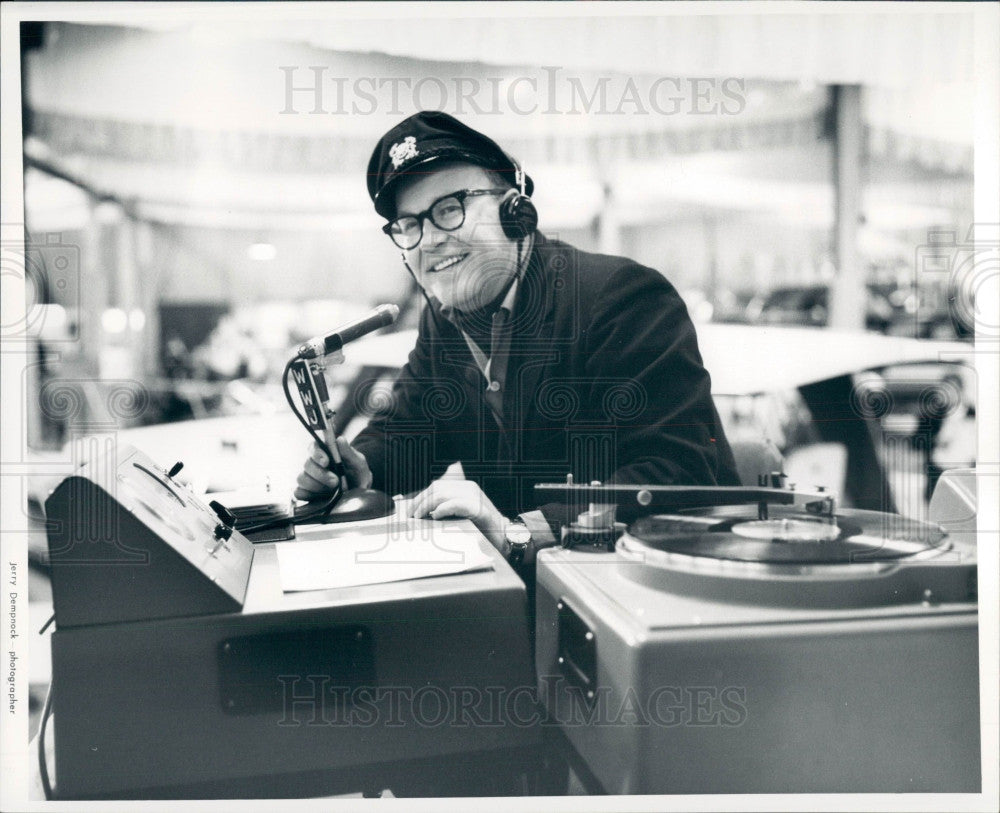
355	503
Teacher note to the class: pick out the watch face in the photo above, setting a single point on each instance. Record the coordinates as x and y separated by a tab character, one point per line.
518	534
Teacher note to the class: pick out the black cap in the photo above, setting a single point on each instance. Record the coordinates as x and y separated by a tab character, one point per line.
431	136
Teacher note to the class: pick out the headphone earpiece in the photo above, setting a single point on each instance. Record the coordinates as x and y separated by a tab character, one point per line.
518	216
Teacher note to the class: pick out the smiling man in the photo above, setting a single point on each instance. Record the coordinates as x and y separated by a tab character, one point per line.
461	255
534	360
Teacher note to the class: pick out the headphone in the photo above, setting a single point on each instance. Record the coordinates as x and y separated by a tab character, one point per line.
518	215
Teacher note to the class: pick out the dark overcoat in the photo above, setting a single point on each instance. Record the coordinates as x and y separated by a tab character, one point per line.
604	381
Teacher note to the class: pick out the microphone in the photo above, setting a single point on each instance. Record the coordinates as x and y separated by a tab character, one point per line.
382	316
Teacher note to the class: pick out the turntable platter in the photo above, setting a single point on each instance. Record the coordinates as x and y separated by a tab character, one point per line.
788	536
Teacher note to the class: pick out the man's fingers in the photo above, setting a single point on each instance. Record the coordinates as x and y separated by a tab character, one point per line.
319	456
424	502
317	480
309	492
305	494
348	454
419	505
314	481
450	508
320	474
308	482
316	485
355	464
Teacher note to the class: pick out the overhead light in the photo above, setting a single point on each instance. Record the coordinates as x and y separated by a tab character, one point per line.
107	213
262	252
114	320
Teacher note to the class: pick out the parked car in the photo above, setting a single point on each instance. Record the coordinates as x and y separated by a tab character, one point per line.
809	305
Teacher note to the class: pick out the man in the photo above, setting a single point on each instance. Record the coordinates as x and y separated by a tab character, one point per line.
533	360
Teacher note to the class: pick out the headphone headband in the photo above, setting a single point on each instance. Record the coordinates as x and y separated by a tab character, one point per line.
518	215
519	173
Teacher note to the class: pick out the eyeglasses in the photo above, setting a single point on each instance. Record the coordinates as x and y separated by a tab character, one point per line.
447	213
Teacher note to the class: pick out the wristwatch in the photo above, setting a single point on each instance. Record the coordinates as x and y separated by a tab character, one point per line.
518	538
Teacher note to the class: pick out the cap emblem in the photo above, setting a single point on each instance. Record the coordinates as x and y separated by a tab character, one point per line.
403	151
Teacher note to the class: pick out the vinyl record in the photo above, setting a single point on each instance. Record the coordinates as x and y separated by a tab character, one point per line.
788	536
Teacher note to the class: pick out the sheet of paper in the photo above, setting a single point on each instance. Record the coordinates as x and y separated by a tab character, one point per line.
354	558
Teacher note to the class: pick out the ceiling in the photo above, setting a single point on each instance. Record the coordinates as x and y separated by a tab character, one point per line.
195	122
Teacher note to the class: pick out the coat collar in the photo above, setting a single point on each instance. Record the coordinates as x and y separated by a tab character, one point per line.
533	324
536	297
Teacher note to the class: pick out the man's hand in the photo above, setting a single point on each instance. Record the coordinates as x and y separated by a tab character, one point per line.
317	481
461	498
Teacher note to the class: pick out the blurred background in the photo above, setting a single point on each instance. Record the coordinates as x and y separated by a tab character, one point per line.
195	205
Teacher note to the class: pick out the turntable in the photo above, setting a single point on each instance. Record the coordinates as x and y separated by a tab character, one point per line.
758	641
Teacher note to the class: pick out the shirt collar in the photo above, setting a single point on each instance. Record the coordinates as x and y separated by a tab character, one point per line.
508	301
507	305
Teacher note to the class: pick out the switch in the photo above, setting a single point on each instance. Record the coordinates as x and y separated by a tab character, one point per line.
224	529
223	532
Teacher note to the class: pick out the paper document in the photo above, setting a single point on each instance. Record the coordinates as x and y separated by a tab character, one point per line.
354	558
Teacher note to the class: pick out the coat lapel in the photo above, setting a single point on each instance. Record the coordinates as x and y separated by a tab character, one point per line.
531	343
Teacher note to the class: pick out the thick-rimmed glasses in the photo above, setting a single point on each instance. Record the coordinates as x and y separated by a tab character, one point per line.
447	213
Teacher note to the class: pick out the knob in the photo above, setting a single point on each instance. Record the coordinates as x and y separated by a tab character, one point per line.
223	513
175	469
224	529
223	532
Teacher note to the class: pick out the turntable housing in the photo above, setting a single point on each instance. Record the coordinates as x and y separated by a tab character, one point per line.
712	654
